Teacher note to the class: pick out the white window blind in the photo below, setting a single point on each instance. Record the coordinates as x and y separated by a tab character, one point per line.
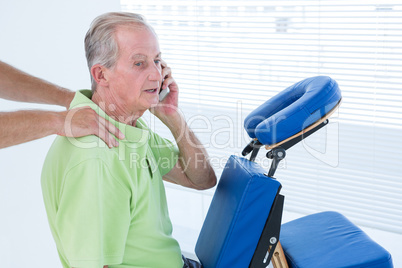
228	57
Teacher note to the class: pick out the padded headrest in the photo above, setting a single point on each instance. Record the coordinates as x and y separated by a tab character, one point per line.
293	110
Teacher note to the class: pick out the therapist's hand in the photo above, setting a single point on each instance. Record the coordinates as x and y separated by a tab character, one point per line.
83	121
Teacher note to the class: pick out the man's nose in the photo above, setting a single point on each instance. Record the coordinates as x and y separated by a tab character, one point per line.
155	73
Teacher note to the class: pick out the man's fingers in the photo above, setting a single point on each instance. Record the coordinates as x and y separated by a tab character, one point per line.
170	82
163	63
166	72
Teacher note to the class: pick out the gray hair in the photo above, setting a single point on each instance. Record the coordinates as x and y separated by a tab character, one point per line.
100	44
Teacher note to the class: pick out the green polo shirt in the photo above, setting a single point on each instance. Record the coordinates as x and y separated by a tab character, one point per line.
108	206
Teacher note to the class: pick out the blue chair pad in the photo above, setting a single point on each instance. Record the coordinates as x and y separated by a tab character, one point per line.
330	240
293	109
236	216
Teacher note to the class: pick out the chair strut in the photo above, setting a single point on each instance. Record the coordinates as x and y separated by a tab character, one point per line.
276	154
270	235
253	147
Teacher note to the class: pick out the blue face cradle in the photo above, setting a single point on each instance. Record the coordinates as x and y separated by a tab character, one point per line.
293	110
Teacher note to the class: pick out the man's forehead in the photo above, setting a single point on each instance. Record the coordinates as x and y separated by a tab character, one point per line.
133	29
133	40
143	56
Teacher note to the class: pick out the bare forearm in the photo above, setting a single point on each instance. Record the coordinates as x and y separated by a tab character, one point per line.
193	156
193	169
23	126
19	86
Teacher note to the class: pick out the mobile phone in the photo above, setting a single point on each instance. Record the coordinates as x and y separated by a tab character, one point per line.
163	93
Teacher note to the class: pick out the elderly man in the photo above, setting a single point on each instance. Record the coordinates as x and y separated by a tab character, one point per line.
107	206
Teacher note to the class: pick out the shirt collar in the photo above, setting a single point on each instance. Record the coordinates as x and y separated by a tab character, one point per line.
137	134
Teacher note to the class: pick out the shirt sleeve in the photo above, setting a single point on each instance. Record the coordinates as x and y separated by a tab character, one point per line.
93	216
166	153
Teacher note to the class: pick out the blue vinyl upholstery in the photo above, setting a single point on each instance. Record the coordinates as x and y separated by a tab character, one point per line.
329	240
244	196
293	109
237	215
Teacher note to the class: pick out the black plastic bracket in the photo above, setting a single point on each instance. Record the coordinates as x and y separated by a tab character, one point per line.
279	153
253	147
276	154
270	235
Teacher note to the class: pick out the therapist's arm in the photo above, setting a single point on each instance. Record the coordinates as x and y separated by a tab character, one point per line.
19	86
23	126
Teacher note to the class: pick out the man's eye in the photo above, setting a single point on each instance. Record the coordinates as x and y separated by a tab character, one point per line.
138	64
157	61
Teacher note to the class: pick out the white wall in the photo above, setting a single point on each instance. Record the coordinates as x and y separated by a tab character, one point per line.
43	38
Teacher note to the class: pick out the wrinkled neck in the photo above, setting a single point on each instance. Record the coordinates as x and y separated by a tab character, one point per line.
114	108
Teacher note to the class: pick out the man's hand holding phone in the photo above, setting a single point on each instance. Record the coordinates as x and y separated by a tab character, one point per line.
168	95
163	92
168	84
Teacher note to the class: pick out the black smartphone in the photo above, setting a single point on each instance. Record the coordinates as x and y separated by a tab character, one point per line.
163	93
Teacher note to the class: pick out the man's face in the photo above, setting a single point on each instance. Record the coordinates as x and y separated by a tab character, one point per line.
135	79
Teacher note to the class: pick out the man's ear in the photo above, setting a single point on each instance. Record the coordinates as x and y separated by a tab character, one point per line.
98	73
